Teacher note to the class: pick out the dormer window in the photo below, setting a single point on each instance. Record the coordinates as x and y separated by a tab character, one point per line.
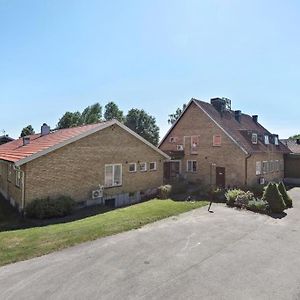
276	141
267	140
254	138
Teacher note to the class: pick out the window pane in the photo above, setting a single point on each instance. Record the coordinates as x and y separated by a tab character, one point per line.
109	175
117	175
132	167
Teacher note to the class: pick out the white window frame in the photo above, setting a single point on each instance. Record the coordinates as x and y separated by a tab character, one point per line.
155	166
9	172
145	164
271	166
180	147
214	140
18	178
277	165
113	175
267	140
173	139
258	168
254	138
135	168
276	141
192	165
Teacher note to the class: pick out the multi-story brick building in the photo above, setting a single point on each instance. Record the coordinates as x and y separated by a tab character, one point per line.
214	145
76	161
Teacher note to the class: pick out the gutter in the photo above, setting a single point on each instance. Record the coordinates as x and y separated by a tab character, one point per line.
246	168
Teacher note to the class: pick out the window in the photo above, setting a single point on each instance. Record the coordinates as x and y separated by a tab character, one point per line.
191	166
254	138
113	175
258	167
194	144
179	147
18	178
277	165
267	140
152	166
143	166
271	166
132	167
217	140
173	139
276	141
265	167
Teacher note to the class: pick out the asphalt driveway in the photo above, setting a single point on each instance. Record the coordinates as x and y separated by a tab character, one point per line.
227	254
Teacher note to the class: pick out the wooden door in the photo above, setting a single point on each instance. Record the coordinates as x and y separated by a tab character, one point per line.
220	177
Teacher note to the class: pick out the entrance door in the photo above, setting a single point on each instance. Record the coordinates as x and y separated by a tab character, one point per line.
220	177
171	170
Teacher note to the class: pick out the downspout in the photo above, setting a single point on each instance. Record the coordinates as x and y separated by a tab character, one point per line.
246	168
22	187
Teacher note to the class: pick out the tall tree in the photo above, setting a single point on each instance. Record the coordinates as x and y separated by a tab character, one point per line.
69	119
92	114
112	111
143	124
28	130
174	117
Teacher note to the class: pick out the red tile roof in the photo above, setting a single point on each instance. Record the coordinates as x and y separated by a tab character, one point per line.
15	151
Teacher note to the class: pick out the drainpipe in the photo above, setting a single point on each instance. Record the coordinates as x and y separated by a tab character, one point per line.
246	168
22	186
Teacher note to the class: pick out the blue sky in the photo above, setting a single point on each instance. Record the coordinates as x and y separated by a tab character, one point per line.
63	55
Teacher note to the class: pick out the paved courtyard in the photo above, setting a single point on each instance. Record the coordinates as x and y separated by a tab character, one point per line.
227	254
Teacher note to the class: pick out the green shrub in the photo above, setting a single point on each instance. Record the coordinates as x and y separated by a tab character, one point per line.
50	208
286	198
258	206
243	199
217	195
164	191
274	198
257	190
231	196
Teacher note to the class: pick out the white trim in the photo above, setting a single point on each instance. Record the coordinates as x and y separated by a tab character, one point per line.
85	134
113	175
187	166
145	164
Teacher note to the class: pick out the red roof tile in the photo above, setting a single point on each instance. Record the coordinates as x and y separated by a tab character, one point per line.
15	151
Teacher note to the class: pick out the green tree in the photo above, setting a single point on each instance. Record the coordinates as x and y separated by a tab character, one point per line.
286	198
69	119
274	198
92	114
28	130
174	117
143	124
295	137
112	111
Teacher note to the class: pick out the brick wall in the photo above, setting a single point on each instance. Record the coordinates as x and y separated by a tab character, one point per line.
78	168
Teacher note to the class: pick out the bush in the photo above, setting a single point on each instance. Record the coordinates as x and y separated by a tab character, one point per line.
242	199
286	198
231	196
50	208
257	190
217	195
274	198
164	191
179	187
258	206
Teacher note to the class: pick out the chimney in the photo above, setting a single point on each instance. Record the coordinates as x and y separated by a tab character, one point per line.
45	129
298	141
237	115
219	104
255	118
26	140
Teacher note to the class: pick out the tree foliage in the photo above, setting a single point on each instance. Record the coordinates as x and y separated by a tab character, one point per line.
91	114
274	198
295	137
143	124
28	130
112	111
287	199
174	117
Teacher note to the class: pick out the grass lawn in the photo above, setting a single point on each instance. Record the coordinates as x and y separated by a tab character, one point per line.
27	243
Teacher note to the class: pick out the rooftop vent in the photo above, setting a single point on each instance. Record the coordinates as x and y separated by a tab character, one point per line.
26	140
238	115
45	129
255	118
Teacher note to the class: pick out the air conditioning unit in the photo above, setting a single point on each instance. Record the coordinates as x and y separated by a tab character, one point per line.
262	180
179	147
96	194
